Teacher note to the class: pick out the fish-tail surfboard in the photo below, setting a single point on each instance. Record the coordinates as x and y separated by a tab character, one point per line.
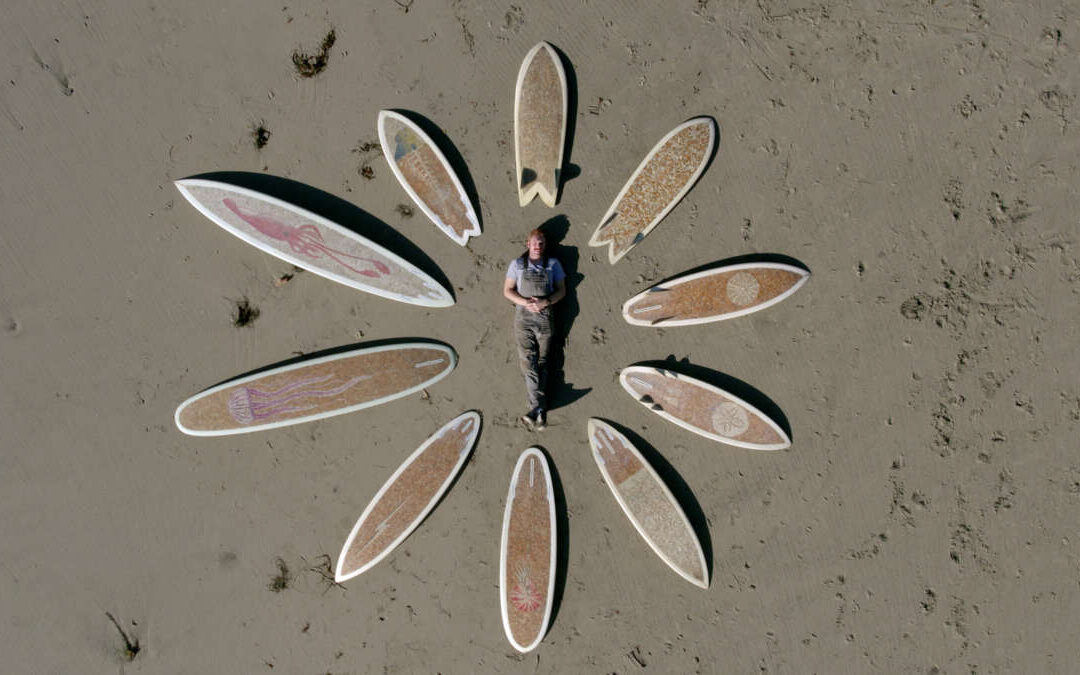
315	388
424	172
527	554
408	496
703	408
715	294
312	242
663	178
648	502
540	102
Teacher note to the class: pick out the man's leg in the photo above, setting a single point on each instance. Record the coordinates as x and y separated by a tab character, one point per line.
527	346
542	333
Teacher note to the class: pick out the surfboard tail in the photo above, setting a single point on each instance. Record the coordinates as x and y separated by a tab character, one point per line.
532	185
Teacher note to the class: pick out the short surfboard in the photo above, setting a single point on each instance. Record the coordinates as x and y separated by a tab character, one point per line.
423	171
312	242
408	496
648	502
527	554
540	101
714	295
663	178
703	408
315	388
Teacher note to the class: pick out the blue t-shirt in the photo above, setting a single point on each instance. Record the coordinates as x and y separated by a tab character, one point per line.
555	272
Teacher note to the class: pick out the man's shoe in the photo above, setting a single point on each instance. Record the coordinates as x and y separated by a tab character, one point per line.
528	420
541	421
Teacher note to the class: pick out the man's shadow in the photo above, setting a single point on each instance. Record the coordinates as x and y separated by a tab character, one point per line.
560	392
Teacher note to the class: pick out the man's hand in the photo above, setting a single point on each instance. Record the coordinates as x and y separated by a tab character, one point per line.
536	305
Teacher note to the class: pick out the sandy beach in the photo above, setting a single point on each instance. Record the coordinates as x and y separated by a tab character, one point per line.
919	158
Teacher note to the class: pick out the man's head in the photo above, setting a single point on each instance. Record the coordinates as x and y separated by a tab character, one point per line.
537	242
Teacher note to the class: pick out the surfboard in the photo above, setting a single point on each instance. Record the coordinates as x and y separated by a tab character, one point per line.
423	171
648	503
715	294
403	502
315	388
312	242
527	553
663	178
703	408
540	101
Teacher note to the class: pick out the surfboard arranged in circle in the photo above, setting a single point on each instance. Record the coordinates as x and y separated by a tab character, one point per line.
527	554
703	408
663	178
315	388
403	502
715	294
423	171
540	101
648	502
312	242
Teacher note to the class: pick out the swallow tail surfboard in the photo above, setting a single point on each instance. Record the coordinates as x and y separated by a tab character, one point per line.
715	294
427	176
315	388
540	103
408	496
312	242
703	408
663	178
527	555
648	502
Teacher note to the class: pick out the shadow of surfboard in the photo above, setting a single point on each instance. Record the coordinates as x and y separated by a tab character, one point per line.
335	209
745	391
562	539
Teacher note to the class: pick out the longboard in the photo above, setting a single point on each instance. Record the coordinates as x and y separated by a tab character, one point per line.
408	496
540	101
312	242
527	554
315	388
713	295
648	502
423	171
663	178
703	408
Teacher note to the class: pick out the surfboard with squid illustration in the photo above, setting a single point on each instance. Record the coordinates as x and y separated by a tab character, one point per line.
312	242
408	496
540	102
315	388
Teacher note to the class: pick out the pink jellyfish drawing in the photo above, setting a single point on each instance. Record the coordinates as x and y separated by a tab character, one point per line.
306	240
247	405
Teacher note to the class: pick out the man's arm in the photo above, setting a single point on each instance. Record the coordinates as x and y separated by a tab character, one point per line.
511	294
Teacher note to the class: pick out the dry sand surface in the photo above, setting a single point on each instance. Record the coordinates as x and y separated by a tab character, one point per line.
919	157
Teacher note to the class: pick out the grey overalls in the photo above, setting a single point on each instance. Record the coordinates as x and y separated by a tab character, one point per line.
533	334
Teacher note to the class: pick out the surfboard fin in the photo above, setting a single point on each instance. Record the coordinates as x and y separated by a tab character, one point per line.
532	185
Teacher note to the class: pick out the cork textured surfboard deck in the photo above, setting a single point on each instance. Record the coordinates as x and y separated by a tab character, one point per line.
648	503
715	294
312	242
315	388
540	102
424	172
408	496
703	408
527	555
663	178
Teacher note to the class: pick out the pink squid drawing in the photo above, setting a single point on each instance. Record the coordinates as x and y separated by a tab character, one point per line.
246	405
306	240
